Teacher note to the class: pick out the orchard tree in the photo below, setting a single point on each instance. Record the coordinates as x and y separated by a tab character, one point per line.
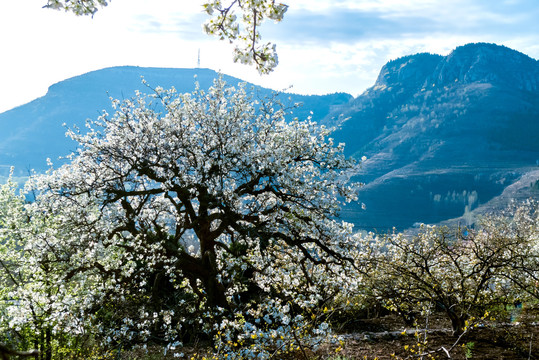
463	272
437	267
19	312
210	205
32	305
237	21
517	230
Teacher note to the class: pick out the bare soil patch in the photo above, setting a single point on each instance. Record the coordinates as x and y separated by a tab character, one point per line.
387	337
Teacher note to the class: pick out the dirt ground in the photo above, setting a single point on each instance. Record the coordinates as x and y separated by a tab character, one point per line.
383	338
386	337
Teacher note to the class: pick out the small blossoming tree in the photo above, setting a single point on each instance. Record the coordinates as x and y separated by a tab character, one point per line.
36	306
462	272
199	213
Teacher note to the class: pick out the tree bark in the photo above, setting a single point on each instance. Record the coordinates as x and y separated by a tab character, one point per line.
205	270
215	291
457	323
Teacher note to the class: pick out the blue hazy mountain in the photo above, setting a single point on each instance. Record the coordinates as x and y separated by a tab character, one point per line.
445	136
31	133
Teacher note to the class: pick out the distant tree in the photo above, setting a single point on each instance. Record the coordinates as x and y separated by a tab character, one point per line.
517	229
237	21
464	273
437	267
186	213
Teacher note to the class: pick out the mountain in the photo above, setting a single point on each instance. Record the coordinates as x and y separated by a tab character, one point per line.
33	132
447	138
444	136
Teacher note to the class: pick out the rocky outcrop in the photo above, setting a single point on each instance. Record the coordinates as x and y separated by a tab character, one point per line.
436	129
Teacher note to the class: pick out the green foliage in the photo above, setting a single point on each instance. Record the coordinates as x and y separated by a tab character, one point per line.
469	349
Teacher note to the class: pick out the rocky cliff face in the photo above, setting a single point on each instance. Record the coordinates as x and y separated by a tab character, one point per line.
410	72
443	135
487	63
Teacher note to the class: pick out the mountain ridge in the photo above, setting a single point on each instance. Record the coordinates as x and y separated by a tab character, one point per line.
474	59
31	133
466	123
447	138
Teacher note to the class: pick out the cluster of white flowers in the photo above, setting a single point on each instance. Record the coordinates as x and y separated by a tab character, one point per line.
265	330
79	7
234	20
224	24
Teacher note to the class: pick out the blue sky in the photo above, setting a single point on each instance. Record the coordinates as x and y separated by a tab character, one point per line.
324	46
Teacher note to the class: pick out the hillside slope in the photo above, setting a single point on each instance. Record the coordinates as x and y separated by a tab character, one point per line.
443	135
31	133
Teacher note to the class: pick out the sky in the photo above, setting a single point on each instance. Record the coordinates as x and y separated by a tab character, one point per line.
324	46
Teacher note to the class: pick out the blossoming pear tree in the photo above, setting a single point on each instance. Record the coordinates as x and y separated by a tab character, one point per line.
237	21
462	272
201	212
516	230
